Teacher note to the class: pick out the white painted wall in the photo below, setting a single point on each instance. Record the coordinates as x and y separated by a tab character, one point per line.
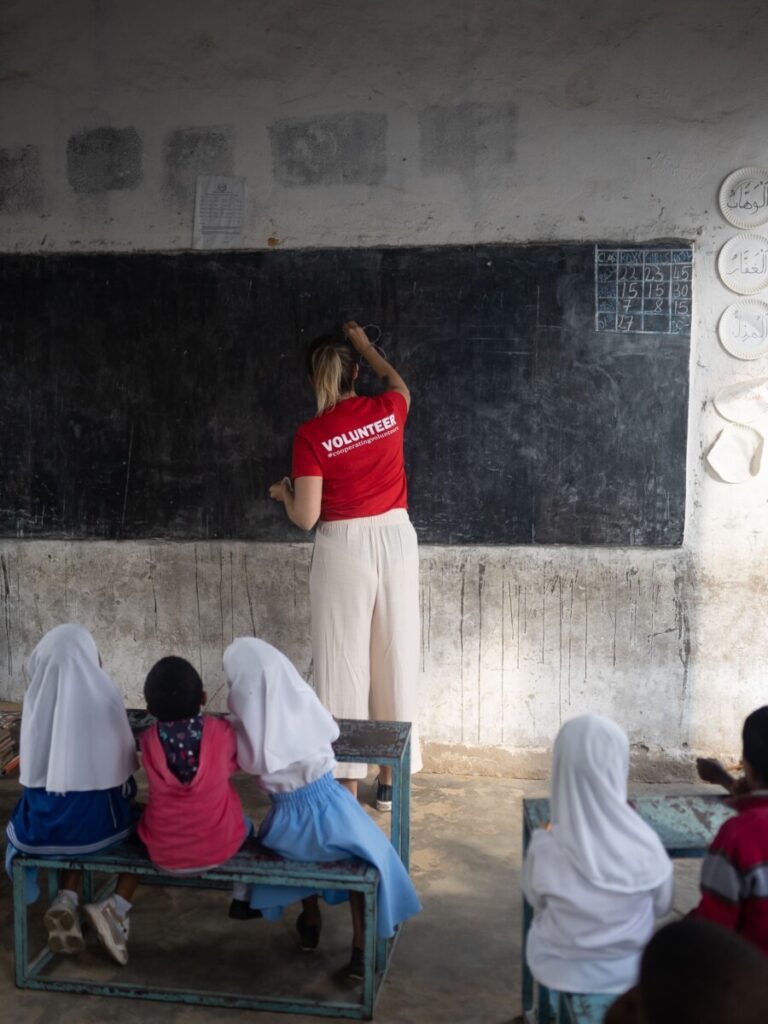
500	121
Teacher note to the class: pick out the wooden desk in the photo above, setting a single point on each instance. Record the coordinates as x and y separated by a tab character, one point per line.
365	743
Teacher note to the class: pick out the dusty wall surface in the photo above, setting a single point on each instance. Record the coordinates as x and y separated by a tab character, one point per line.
432	123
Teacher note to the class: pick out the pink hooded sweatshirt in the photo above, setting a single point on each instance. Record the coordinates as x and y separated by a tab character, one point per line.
200	823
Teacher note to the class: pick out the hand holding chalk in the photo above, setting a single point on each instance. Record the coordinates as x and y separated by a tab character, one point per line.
281	489
356	336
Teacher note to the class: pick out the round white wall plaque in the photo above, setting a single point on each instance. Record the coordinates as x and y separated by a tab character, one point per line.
743	329
743	263
744	197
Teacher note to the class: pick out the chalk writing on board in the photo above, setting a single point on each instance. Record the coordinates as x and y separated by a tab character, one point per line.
643	291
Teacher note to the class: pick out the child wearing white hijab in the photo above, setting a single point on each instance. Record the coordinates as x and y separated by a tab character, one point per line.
284	736
77	758
600	876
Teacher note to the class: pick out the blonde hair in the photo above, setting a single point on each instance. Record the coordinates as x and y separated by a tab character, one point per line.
332	363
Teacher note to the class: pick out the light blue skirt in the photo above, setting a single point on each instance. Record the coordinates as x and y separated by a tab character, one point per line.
322	822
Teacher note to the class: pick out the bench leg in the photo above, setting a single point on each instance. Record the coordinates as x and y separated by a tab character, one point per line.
527	976
20	934
369	982
53	883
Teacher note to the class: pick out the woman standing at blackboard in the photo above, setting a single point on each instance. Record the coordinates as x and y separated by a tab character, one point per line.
349	478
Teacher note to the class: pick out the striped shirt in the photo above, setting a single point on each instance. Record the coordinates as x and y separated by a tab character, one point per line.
734	875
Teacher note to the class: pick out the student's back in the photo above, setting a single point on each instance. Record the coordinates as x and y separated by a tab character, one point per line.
589	939
193	819
598	879
734	875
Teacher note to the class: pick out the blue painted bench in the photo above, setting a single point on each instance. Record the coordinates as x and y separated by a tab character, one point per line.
360	741
252	864
581	1009
686	826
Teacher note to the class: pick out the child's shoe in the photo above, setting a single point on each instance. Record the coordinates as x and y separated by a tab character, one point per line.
240	910
62	919
383	797
111	928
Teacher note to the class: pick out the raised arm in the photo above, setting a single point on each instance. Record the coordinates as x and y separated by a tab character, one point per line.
392	380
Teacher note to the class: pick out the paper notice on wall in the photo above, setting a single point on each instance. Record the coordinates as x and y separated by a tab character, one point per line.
219	212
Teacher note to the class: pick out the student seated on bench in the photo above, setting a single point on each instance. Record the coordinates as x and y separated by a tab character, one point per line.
694	972
734	875
597	879
77	758
284	736
193	819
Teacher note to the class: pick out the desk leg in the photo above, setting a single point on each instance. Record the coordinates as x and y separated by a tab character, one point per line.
527	918
404	810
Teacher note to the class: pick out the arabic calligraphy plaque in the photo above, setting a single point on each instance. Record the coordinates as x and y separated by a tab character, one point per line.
743	263
744	197
743	329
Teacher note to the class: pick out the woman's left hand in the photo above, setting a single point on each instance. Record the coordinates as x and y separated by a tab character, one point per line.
281	490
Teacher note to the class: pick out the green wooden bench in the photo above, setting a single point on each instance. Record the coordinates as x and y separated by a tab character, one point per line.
252	864
360	741
582	1009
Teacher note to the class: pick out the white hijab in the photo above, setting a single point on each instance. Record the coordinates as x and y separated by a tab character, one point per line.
75	735
605	840
279	719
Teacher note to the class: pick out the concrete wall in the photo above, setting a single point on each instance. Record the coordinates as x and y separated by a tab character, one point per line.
437	122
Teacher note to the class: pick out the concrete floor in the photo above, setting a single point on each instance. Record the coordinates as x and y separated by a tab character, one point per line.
458	962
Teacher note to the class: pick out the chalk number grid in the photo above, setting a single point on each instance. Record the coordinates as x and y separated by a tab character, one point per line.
643	291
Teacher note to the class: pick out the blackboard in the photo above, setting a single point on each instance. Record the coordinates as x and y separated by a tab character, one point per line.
156	395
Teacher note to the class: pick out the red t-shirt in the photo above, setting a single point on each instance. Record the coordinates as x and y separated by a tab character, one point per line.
357	448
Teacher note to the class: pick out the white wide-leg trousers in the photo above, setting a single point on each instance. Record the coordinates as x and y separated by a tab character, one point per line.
364	590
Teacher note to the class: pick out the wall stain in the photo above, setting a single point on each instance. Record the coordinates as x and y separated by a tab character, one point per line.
221	597
7	610
504	587
248	594
231	597
543	615
570	638
199	623
104	160
461	642
586	627
480	580
151	562
682	619
560	653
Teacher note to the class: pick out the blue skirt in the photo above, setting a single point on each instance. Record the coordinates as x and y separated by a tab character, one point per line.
55	825
323	822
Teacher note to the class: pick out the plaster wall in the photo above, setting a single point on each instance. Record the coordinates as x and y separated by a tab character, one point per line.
441	122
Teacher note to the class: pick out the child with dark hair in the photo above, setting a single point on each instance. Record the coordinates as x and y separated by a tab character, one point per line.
734	875
193	819
693	972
